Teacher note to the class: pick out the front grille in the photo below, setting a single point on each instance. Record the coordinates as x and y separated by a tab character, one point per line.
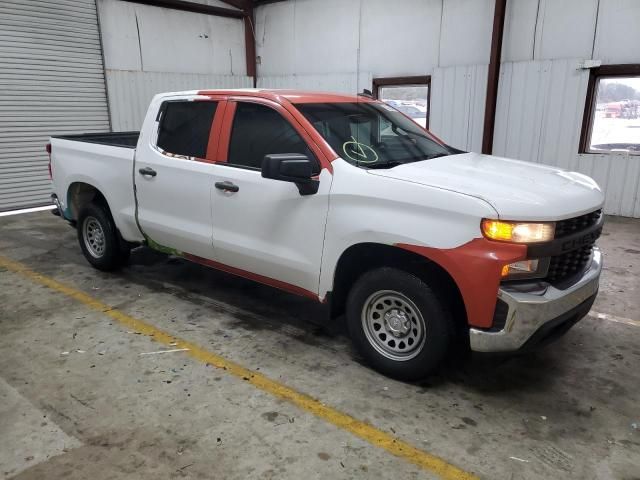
573	225
568	264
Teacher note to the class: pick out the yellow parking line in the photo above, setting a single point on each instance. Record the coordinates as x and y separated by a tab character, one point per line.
346	422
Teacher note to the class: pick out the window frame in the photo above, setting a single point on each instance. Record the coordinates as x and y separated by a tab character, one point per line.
210	155
604	71
228	123
412	81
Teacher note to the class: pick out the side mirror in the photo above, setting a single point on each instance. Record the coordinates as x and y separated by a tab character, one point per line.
291	167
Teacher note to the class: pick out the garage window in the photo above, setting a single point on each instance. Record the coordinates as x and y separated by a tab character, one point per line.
611	121
185	127
410	95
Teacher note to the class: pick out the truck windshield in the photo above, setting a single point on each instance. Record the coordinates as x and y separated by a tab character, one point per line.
372	135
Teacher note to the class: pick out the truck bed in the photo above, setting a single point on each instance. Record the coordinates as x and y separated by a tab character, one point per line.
114	139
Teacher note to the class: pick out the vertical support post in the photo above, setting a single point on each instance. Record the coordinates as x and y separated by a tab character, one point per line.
493	76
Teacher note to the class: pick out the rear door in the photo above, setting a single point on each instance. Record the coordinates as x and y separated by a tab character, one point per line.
266	230
174	176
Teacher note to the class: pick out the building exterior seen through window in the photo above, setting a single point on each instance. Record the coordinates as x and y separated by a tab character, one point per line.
412	100
615	121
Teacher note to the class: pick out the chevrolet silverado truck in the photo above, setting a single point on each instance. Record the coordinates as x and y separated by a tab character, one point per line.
344	200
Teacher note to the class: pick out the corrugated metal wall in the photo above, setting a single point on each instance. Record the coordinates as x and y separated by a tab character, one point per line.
457	105
51	81
541	94
539	117
131	92
539	111
335	82
149	50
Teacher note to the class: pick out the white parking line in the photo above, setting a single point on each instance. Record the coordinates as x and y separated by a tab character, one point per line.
165	351
614	318
26	210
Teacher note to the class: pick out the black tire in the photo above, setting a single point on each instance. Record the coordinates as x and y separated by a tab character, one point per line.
405	292
107	253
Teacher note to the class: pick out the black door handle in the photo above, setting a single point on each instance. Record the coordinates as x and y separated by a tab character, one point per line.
227	186
148	171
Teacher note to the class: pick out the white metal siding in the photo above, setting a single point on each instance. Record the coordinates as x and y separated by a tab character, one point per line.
149	50
457	105
336	82
538	119
131	92
51	82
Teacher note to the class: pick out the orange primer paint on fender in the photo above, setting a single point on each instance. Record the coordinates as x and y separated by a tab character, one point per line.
475	267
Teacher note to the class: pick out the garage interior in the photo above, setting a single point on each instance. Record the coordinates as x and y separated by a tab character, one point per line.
167	369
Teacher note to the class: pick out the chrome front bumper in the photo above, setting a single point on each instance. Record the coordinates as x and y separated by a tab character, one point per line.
532	309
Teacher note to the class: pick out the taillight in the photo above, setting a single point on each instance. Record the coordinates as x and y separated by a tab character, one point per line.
48	149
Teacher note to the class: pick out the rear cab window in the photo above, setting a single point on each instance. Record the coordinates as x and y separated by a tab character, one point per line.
185	127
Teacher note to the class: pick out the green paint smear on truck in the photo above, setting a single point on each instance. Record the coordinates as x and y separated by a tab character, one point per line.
162	248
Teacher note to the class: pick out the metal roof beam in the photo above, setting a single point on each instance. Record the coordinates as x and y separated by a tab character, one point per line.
193	7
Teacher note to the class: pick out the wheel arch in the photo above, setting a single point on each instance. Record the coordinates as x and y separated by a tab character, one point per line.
80	194
363	257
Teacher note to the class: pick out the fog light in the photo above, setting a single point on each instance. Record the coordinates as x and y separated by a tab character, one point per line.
523	266
532	268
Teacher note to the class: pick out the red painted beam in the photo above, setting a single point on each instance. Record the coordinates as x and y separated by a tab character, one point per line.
493	76
243	5
192	7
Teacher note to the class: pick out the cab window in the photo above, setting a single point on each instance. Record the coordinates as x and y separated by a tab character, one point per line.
259	130
185	127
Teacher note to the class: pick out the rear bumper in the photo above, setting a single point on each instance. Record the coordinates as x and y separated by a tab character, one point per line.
539	313
56	202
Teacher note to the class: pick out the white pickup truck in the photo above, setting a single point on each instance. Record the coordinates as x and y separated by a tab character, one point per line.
346	201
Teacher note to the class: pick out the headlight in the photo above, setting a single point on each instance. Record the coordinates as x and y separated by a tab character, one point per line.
518	232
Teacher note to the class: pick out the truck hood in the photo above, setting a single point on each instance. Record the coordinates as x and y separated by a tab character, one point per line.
517	190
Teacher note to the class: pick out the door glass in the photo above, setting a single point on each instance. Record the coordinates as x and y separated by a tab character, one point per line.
258	131
185	128
412	100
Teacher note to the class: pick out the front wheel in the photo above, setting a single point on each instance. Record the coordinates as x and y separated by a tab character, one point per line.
99	238
398	323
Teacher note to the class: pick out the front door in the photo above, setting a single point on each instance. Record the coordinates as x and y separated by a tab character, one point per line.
174	178
266	229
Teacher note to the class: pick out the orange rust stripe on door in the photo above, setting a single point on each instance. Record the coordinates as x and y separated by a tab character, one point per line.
272	282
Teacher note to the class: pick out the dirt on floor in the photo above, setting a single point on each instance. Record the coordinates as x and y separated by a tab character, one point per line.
78	400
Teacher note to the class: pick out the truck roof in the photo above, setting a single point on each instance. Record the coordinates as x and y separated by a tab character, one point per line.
278	95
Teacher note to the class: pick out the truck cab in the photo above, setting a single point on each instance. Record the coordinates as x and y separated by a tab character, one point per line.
346	201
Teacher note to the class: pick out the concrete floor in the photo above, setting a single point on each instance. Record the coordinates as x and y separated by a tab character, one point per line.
103	411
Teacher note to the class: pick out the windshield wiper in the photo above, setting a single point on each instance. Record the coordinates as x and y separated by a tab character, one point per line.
373	166
437	155
392	164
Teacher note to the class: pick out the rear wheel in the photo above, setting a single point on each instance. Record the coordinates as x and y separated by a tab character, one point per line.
398	324
99	239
